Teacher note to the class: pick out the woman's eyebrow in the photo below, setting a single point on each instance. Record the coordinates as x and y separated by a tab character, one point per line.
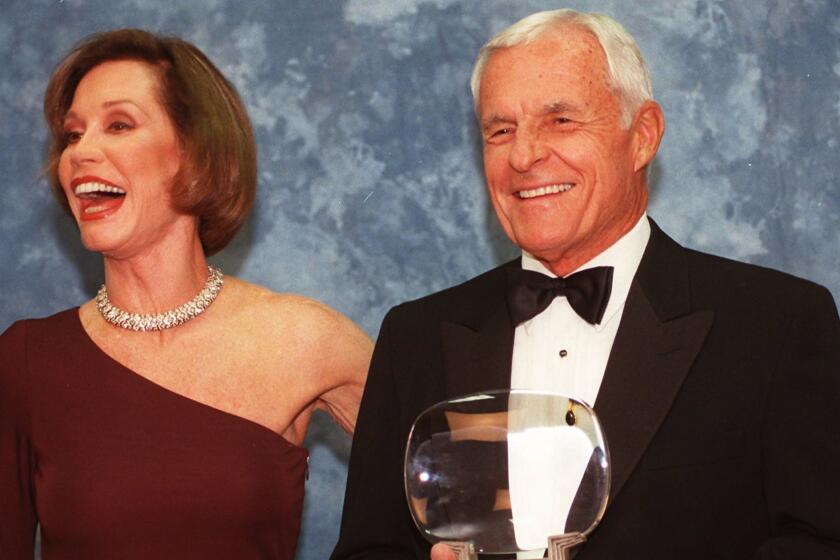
106	105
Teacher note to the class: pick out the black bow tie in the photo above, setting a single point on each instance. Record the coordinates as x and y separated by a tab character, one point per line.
587	291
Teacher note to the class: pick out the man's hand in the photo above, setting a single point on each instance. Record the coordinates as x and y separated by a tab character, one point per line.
442	552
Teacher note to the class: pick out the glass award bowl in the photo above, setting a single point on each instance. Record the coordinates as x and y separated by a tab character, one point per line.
507	470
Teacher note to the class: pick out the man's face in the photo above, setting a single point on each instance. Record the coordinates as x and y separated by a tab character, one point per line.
561	171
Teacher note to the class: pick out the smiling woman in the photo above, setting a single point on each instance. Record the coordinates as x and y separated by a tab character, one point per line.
164	418
121	154
217	176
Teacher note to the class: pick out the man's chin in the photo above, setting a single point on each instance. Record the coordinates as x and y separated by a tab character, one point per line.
548	256
558	255
544	249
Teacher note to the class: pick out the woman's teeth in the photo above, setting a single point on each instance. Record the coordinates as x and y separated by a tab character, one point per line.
90	190
548	189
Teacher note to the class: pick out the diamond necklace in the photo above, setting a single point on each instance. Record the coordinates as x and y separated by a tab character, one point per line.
168	319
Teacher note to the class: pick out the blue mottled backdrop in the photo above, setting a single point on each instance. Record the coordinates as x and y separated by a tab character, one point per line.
370	186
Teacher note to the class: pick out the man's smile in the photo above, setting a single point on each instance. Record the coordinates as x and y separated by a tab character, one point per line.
545	190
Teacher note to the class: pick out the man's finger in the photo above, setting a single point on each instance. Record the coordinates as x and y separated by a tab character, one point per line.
442	552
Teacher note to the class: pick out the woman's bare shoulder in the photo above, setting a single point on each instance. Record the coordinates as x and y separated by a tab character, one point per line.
302	316
261	302
329	353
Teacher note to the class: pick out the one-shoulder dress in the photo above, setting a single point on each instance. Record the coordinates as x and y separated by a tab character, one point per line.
112	465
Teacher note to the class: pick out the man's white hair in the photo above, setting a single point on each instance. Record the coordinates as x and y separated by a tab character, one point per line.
627	69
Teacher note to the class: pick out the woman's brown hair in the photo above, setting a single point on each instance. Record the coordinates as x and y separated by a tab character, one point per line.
217	180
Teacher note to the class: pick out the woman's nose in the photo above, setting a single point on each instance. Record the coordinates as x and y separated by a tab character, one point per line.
85	149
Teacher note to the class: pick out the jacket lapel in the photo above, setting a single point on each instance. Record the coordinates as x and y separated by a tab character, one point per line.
657	341
478	341
656	344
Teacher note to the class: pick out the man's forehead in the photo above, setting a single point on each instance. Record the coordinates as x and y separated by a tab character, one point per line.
553	54
563	40
540	73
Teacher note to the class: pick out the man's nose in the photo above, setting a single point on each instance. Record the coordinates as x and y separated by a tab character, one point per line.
527	150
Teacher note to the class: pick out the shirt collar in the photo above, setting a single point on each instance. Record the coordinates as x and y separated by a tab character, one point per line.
624	256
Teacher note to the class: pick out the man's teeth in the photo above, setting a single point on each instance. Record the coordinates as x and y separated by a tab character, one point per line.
548	189
88	188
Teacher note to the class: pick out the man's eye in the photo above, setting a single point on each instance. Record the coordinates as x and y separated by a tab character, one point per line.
500	132
561	120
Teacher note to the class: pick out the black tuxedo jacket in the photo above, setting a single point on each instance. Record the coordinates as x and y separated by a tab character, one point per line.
720	404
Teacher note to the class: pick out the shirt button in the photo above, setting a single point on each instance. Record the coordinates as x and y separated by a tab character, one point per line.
563	353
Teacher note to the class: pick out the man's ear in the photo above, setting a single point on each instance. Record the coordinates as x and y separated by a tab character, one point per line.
648	128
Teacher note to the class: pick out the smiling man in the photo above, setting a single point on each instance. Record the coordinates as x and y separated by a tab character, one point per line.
565	174
717	382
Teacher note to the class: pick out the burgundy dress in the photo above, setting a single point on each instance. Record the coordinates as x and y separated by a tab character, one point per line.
113	465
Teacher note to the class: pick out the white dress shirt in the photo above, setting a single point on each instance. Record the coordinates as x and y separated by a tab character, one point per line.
559	352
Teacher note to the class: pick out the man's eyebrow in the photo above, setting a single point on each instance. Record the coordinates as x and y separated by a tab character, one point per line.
494	119
558	107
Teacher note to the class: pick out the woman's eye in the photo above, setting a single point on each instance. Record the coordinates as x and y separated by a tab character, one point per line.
119	126
72	136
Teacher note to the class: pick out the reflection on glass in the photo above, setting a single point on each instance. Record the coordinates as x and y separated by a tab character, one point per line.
506	470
